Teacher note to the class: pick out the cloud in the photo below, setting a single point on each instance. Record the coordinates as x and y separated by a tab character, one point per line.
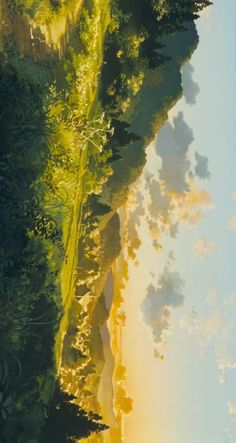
133	241
203	247
166	211
206	17
157	305
190	88
218	330
189	206
136	207
160	209
225	347
154	229
212	326
232	224
160	205
231	407
172	113
201	168
221	379
204	332
174	198
190	323
190	209
174	229
173	144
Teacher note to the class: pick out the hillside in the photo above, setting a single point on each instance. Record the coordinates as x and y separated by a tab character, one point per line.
84	87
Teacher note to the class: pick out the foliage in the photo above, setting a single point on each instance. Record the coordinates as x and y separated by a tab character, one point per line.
44	129
42	11
67	422
63	160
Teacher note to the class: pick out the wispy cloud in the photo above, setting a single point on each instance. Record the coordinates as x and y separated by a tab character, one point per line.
212	326
205	331
201	168
225	348
217	330
203	248
206	17
190	88
173	144
132	222
160	204
157	305
190	206
174	198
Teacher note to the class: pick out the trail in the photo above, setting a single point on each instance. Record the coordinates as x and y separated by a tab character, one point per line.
40	41
48	42
72	229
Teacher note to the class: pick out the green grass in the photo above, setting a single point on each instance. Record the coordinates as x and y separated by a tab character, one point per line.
44	11
59	133
92	60
39	29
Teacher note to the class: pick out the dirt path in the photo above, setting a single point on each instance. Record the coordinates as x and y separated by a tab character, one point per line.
72	229
48	42
39	41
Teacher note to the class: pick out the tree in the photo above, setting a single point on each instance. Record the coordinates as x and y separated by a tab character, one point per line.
67	421
124	402
172	15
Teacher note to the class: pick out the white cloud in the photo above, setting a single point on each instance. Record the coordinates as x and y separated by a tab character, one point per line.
172	113
157	305
218	333
201	168
222	379
212	326
173	145
205	15
225	347
204	332
160	205
203	247
190	323
190	88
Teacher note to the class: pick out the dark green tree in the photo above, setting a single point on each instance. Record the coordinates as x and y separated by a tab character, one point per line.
67	422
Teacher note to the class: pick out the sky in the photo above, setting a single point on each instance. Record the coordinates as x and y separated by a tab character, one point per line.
180	296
